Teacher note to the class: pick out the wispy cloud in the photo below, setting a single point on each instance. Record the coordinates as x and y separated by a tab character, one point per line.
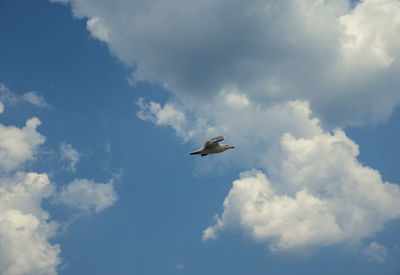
376	252
180	266
11	98
35	99
69	155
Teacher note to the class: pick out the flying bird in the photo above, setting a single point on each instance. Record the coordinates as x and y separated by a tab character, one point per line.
212	146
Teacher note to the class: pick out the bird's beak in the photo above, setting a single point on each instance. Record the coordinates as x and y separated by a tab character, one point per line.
231	147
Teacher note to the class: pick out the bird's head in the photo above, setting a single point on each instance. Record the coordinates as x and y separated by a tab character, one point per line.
226	147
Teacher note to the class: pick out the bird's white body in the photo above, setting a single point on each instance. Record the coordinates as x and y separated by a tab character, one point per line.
212	146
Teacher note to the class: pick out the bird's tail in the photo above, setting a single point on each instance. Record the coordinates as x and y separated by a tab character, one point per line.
193	153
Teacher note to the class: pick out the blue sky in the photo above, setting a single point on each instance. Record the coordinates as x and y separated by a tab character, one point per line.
307	92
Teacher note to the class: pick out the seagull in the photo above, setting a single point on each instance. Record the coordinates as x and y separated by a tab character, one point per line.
212	146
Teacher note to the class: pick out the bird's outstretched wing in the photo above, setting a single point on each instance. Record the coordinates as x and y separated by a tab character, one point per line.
216	139
212	142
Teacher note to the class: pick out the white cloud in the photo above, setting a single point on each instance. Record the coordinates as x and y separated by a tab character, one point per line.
321	51
88	195
167	115
255	130
321	196
18	145
69	154
97	29
6	96
35	99
25	228
9	97
235	99
1	107
372	34
376	252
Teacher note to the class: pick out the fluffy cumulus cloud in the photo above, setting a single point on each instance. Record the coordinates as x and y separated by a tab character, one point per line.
25	227
19	144
323	196
313	193
88	195
278	79
372	34
322	51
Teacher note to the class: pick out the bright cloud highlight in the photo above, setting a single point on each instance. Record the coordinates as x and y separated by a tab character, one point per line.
25	228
